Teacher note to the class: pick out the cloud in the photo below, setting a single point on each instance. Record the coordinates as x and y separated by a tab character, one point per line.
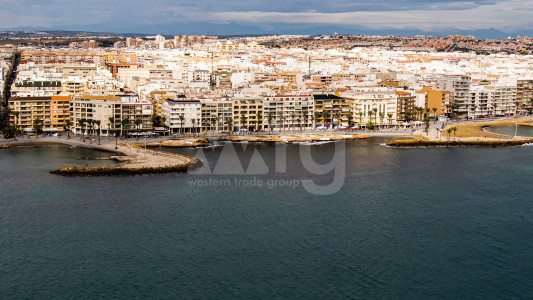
417	14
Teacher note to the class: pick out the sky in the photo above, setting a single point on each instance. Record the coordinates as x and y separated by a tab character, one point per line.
270	16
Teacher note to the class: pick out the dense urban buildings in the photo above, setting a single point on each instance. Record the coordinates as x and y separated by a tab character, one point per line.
193	84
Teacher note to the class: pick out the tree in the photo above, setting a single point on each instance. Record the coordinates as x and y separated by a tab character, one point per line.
138	123
350	119
97	123
199	122
68	124
317	117
389	116
243	119
299	121
325	117
370	114
360	118
125	124
81	123
375	110
207	122
338	115
293	117
381	117
16	115
449	131
214	121
426	121
305	115
164	124
370	125
269	119
38	125
182	123
229	121
434	109
89	123
10	131
110	125
193	123
259	116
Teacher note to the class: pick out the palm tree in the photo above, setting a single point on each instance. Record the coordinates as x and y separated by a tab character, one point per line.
434	109
325	117
259	119
283	123
449	131
370	114
317	117
110	125
81	123
495	109
199	122
350	119
38	125
305	115
182	119
243	121
381	117
193	122
270	118
89	123
214	121
97	122
125	124
207	122
16	114
389	115
230	124
360	118
138	123
293	117
299	121
164	123
426	121
375	110
111	130
68	124
454	131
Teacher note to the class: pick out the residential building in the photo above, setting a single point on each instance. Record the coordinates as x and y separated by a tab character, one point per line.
182	115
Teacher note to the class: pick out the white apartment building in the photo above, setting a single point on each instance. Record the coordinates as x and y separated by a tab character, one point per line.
288	112
373	105
97	108
179	115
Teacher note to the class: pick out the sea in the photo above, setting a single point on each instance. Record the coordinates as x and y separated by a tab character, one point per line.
424	223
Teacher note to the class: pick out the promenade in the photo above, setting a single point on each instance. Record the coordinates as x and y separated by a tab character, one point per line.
130	154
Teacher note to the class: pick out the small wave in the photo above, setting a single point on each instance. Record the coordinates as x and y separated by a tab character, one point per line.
527	144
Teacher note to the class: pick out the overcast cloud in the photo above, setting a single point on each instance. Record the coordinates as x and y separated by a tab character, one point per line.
396	14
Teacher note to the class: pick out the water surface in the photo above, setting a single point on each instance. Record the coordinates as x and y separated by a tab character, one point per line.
408	223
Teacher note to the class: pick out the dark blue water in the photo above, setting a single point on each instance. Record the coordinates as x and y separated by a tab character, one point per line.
511	130
408	223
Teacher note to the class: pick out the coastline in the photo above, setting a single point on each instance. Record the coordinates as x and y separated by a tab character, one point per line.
135	159
468	134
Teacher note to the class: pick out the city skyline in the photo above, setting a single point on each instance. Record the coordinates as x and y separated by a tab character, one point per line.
488	19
